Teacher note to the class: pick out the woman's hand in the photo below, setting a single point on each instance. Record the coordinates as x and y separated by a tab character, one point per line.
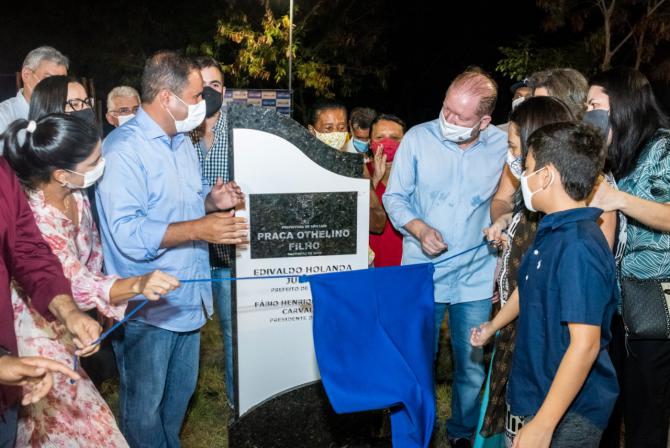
605	197
380	166
157	284
495	234
479	337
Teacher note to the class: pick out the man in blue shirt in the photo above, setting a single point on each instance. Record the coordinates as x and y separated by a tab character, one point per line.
562	380
438	195
153	204
211	144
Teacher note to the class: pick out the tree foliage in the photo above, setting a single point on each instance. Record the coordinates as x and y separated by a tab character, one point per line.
528	57
598	33
333	55
627	29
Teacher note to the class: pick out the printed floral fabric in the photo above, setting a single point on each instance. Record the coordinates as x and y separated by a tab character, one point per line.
71	415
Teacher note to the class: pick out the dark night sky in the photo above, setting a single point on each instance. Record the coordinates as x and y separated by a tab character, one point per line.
428	42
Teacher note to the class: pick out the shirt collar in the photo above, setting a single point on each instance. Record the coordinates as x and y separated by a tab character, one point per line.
558	219
151	129
221	121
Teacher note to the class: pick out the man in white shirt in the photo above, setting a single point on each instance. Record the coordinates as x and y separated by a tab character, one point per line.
40	63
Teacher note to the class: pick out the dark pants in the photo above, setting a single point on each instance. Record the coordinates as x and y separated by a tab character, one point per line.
617	351
646	393
573	431
8	422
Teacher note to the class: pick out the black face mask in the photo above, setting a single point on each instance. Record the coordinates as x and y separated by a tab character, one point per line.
88	116
213	100
600	119
85	114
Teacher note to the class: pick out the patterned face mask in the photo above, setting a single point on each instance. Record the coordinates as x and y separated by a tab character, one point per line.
514	164
335	140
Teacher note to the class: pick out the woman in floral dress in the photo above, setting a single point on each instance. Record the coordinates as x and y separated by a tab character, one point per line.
55	158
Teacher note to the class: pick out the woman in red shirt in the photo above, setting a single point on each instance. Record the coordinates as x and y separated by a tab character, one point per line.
386	132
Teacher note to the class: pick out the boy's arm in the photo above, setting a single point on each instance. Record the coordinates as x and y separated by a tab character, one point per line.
480	336
575	366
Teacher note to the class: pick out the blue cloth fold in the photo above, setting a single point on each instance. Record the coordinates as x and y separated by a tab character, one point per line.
373	336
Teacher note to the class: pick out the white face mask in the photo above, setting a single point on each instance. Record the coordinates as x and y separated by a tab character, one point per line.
514	164
123	119
90	177
516	102
335	140
196	114
455	133
525	189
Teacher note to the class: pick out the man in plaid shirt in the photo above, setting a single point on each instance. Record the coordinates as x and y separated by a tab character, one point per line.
211	143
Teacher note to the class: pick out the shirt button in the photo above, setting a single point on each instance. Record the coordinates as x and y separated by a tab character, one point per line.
535	252
526	277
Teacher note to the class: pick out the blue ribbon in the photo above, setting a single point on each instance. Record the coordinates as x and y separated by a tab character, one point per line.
228	279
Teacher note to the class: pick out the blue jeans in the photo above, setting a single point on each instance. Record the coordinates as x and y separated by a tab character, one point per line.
159	372
8	422
468	363
223	306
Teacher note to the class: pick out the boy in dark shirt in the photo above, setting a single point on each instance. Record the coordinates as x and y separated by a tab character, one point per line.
562	379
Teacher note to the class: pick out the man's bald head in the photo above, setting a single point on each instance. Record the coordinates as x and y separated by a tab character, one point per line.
477	83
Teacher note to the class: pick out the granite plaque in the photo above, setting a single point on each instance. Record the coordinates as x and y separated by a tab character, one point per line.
294	184
303	224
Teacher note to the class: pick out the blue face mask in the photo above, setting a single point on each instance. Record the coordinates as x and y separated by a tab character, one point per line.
600	119
360	145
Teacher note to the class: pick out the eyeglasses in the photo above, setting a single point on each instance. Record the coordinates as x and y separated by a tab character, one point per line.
124	111
79	104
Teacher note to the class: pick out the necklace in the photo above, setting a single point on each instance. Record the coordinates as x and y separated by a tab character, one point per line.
65	203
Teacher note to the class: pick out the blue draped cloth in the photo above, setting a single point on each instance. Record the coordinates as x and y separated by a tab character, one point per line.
374	342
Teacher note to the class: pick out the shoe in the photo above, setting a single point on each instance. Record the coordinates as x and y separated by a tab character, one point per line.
460	443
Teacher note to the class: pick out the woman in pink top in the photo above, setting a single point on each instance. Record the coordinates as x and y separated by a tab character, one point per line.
386	131
55	158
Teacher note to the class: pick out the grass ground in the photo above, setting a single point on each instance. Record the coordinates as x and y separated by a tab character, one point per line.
206	421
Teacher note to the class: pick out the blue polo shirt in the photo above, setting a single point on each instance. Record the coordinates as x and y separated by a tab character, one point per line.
567	276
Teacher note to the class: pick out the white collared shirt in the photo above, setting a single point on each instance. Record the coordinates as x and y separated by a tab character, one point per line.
13	109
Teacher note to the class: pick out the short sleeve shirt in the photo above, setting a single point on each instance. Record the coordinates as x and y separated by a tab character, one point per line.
647	253
567	276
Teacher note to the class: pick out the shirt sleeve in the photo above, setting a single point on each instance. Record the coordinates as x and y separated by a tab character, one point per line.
401	185
33	265
585	284
90	289
652	181
123	196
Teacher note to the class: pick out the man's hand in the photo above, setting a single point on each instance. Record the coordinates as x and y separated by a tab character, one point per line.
222	228
431	241
33	373
225	196
533	435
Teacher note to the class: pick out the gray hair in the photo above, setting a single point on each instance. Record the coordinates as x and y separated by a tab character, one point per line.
121	91
566	84
45	53
165	70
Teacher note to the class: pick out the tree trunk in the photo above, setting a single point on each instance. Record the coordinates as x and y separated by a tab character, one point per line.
607	18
